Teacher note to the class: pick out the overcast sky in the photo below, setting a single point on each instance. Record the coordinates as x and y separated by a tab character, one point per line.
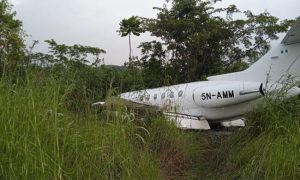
95	22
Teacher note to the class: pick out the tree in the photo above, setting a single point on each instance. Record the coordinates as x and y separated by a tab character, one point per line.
128	27
154	72
11	39
198	42
75	54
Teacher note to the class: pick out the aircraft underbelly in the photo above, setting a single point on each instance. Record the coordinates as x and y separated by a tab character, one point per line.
217	114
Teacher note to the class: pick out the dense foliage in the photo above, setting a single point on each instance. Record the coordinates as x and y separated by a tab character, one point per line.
197	40
11	40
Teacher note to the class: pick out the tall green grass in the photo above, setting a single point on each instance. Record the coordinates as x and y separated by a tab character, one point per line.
269	146
48	130
40	138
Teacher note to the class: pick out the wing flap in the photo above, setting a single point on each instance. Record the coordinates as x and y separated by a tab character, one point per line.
187	122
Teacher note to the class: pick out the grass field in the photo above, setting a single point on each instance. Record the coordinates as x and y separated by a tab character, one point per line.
267	148
41	138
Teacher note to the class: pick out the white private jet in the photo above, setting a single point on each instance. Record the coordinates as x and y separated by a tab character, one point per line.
225	98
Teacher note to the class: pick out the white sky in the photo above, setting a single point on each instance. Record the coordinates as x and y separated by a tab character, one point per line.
95	22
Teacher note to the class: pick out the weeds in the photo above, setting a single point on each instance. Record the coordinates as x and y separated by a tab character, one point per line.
268	147
43	137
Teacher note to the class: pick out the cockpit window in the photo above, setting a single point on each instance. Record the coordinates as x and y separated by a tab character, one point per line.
155	96
163	95
180	93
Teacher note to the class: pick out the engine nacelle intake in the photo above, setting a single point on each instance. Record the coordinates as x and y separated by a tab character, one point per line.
223	95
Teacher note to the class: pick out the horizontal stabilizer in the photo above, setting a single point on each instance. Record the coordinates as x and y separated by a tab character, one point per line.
293	36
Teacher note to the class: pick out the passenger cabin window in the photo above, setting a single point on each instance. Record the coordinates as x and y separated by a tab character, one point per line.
148	97
155	96
163	95
171	94
180	93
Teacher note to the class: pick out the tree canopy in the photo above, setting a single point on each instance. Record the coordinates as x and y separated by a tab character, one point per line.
130	26
68	55
197	40
11	38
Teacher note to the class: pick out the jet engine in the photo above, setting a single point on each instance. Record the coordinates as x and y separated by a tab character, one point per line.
228	94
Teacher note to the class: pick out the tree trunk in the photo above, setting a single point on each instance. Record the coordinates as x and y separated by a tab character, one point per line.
129	48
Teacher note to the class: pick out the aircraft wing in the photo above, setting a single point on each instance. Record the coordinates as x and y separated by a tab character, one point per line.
140	106
128	103
293	35
141	109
